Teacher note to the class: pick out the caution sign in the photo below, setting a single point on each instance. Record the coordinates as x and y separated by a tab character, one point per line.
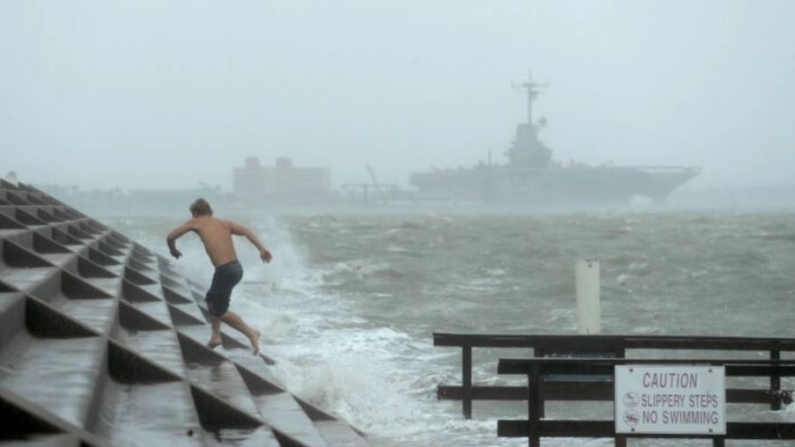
670	399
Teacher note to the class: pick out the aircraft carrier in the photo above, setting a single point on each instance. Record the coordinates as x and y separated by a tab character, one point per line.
531	177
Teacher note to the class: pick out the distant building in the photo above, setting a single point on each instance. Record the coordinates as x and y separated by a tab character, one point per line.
284	183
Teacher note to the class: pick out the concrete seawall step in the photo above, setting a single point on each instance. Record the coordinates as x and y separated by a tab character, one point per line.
102	342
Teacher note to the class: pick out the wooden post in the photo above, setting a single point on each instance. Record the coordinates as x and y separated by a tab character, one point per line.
466	370
588	297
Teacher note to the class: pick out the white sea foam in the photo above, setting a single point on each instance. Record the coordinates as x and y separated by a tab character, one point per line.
322	354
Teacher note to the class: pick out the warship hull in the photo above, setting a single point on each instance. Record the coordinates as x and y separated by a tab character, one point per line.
554	186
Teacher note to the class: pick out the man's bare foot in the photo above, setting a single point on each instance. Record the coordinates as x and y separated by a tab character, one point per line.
255	342
214	343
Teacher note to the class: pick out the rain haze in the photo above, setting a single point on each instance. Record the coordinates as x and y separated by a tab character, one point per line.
168	94
671	126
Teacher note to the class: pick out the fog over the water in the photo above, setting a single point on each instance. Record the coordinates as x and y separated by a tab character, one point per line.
172	93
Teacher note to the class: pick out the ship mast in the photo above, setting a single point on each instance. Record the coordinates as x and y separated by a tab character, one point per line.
533	89
526	149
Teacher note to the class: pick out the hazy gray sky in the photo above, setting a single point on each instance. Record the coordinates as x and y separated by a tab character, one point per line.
170	93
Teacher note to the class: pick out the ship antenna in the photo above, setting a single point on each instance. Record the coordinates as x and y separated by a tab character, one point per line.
533	89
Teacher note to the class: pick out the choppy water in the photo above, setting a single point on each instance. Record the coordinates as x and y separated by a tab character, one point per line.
350	302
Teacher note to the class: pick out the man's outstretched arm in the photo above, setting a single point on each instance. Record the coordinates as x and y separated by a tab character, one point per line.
172	237
240	230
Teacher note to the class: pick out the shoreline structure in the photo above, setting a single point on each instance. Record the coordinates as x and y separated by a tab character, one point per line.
102	344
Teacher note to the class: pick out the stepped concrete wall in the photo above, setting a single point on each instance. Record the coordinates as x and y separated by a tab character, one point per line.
102	344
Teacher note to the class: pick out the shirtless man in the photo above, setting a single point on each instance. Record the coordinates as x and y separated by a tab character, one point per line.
216	235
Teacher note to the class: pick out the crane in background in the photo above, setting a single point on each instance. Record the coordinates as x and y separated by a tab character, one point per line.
373	193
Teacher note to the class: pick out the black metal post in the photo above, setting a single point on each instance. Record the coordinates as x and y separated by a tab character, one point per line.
775	381
466	370
534	404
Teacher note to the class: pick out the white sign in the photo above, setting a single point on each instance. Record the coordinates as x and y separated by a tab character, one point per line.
670	399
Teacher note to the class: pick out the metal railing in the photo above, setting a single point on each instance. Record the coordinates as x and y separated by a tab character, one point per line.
579	370
599	346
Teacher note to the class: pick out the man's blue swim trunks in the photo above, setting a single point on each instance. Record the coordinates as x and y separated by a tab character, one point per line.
225	279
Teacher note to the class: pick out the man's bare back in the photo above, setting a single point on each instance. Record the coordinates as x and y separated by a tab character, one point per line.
216	235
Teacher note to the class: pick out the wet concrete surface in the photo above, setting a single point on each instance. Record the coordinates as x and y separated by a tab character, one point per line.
155	309
259	437
149	415
200	333
222	380
283	413
26	278
108	285
153	289
57	374
191	309
11	314
60	440
57	259
97	314
254	364
161	347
